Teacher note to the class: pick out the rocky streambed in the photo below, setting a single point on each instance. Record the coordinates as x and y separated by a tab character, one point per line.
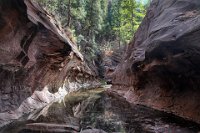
99	111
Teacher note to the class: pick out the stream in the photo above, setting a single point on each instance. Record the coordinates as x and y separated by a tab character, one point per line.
99	111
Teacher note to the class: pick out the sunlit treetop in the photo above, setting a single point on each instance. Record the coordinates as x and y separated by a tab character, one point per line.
143	1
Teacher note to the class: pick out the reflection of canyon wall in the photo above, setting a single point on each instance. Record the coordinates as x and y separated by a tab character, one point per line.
35	53
161	65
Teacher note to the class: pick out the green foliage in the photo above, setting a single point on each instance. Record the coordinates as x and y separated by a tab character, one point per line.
127	16
96	23
98	20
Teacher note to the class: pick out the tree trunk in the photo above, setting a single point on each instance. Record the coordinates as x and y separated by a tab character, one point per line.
69	14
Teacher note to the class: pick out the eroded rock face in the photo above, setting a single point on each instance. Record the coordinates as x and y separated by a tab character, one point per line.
161	66
35	54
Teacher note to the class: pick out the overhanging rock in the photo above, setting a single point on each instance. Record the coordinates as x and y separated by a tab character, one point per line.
37	58
161	66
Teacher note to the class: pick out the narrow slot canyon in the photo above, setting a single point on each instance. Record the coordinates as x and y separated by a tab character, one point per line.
73	71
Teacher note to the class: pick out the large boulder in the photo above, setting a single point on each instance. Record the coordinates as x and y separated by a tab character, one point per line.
37	58
161	66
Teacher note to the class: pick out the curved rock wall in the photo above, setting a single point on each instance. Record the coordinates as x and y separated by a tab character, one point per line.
35	54
161	65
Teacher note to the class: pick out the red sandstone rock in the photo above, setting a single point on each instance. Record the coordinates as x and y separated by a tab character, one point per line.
35	54
161	66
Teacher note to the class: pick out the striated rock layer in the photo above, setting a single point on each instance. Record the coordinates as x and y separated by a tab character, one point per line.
37	58
161	65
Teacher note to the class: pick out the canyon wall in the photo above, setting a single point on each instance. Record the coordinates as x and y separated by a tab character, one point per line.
160	68
38	60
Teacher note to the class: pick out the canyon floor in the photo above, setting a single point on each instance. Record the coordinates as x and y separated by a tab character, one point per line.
99	111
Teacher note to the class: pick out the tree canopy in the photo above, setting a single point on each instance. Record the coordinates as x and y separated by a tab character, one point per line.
97	24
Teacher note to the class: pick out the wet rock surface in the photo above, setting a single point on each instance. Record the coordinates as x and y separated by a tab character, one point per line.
160	68
40	65
38	59
100	111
